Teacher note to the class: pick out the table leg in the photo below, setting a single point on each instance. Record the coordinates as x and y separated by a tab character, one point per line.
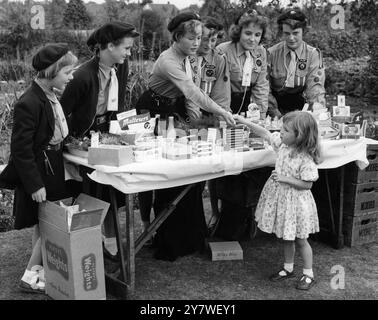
330	204
114	211
160	219
130	243
117	287
340	236
86	181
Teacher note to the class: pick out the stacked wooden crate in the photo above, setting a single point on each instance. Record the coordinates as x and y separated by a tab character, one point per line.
360	223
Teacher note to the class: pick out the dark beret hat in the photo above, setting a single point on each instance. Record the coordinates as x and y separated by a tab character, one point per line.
212	23
48	55
182	17
111	32
292	14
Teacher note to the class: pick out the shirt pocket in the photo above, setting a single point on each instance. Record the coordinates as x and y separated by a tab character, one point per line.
277	73
235	73
301	73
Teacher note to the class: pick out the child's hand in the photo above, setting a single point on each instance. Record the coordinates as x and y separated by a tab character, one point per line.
239	119
278	177
39	196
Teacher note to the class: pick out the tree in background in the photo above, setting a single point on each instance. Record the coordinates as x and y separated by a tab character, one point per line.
152	31
365	18
112	8
76	16
54	14
17	27
365	14
222	10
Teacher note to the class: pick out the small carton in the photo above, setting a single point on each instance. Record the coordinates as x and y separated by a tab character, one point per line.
72	252
110	155
148	154
228	250
177	151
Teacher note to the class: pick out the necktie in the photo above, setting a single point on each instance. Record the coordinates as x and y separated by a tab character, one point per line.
113	92
60	116
188	68
247	70
291	70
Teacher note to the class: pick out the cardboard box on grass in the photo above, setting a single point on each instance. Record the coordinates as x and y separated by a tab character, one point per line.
110	155
72	256
226	250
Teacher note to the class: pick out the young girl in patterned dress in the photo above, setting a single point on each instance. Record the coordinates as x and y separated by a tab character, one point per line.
286	206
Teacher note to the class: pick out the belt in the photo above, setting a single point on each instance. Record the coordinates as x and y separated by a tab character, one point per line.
162	99
54	147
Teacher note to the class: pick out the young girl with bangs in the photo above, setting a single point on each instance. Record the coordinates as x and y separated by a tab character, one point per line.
35	169
286	206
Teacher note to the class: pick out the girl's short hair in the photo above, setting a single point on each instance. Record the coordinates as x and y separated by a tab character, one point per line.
50	73
294	18
244	20
212	24
184	28
306	132
103	46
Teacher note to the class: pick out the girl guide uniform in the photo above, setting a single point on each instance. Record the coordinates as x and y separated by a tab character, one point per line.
247	59
171	82
211	74
308	77
247	86
39	128
98	91
296	74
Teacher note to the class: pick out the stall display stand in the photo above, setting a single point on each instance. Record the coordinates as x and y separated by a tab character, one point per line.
130	179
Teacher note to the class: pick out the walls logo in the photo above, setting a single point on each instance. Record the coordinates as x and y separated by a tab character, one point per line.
88	267
57	259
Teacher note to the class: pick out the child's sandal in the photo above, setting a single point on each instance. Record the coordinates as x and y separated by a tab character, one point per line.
281	275
33	287
305	282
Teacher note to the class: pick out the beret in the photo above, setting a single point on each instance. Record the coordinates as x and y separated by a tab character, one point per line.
48	55
249	13
292	14
111	32
180	18
212	23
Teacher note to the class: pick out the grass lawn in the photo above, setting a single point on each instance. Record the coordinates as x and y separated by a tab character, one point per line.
197	277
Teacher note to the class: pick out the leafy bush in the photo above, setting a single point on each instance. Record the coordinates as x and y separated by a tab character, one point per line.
339	46
6	218
16	70
137	82
346	76
6	222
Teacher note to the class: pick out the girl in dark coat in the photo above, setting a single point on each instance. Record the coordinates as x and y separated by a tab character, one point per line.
35	169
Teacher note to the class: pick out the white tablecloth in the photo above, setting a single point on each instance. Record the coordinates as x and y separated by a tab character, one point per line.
164	173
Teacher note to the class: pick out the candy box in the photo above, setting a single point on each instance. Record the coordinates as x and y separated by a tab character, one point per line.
227	250
110	155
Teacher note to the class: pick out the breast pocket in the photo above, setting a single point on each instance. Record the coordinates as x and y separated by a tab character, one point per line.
235	73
